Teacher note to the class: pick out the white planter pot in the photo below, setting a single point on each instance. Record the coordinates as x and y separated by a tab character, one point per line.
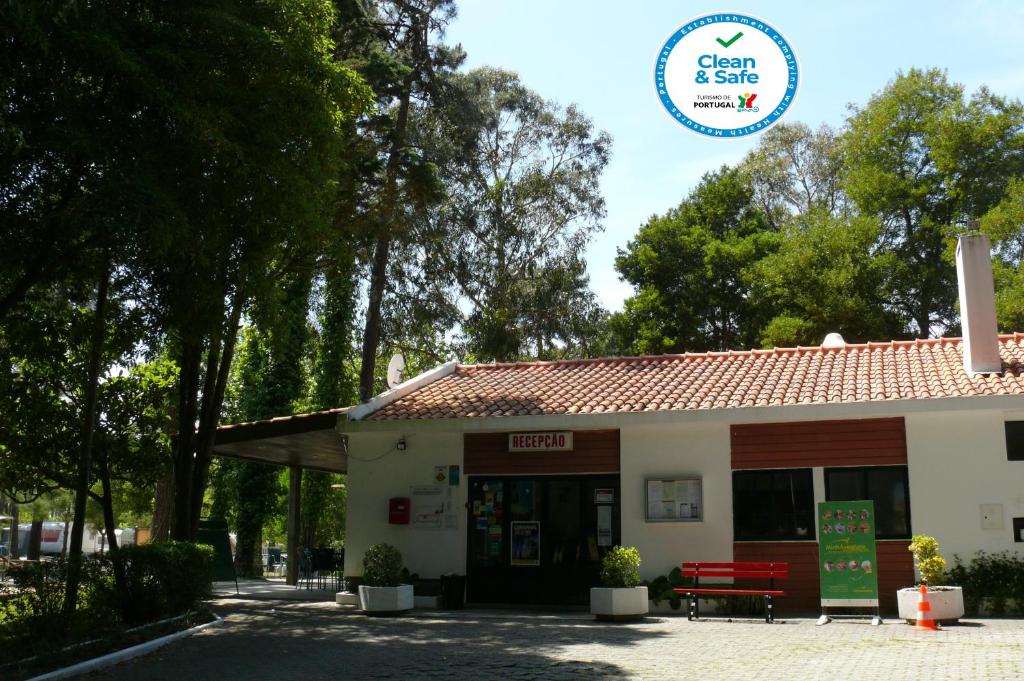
947	603
386	599
619	604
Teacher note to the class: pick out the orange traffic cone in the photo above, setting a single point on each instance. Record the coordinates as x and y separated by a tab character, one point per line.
924	612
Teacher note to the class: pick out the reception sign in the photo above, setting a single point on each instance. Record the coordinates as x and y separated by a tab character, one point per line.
846	554
540	442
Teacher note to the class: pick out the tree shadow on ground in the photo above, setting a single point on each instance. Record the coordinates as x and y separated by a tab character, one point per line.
294	640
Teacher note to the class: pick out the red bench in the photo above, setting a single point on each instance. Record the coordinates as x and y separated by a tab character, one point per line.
769	571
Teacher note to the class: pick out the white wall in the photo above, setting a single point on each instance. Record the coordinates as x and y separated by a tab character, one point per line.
957	461
376	473
653	451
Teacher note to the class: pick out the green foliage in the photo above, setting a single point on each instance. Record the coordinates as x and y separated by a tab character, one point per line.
924	161
688	267
998	578
849	231
620	568
795	170
164	579
323	509
930	565
522	176
382	566
660	588
31	606
824	278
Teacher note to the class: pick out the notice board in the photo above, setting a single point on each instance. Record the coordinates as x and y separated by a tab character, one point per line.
675	500
847	560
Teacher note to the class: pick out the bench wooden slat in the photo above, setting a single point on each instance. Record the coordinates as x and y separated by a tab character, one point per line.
744	574
730	592
746	566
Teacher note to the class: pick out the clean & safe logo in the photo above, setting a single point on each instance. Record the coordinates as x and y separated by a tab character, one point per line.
705	60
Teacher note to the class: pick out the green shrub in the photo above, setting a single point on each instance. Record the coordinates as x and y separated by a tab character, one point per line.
31	604
164	579
930	565
620	568
998	577
382	566
661	588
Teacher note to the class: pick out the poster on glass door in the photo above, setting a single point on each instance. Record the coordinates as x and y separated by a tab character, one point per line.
525	543
846	553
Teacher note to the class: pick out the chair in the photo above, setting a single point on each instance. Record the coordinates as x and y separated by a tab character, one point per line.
306	568
274	561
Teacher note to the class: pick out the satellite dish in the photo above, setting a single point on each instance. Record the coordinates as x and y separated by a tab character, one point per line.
396	370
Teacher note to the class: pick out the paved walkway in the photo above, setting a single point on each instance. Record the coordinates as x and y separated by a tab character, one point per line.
271	588
283	640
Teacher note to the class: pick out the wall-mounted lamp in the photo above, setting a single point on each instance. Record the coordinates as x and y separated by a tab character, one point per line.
401	444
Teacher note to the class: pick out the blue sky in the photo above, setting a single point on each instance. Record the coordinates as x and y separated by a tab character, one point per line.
600	55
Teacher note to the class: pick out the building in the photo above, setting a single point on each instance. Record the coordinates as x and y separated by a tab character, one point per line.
519	475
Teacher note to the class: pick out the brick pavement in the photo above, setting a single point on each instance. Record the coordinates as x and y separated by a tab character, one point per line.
282	640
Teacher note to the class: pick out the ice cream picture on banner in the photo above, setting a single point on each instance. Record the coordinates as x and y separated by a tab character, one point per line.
847	557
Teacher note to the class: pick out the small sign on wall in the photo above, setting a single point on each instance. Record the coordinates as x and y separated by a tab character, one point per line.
540	442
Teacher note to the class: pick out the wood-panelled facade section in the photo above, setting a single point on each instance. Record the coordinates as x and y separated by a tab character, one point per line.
805	444
594	451
864	442
803	586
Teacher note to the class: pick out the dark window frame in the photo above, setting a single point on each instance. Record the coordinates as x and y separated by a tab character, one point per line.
865	470
811	530
1015	453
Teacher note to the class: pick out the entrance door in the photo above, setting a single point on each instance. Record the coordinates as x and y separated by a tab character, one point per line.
539	539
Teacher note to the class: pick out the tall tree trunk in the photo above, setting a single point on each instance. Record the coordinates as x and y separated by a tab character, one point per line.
333	387
371	331
163	510
382	248
110	527
188	389
35	539
88	430
210	415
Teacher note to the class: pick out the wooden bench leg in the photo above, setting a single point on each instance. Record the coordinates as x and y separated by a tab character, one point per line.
693	607
769	615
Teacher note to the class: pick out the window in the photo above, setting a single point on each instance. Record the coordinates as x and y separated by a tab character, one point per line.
773	505
886	486
1015	440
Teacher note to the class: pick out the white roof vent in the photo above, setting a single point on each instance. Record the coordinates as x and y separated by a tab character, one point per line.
977	305
833	340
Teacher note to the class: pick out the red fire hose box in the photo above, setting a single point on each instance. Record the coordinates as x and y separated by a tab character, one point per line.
398	511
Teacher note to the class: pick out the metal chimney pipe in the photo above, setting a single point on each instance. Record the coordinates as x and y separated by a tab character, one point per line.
977	305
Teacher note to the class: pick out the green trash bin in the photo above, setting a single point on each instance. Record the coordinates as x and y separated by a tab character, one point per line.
453	592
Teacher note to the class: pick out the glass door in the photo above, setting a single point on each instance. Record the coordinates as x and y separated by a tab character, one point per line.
539	539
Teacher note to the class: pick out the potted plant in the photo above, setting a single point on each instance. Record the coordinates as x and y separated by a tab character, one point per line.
621	597
381	591
947	602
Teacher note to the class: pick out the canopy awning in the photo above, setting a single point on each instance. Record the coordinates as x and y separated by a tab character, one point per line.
305	440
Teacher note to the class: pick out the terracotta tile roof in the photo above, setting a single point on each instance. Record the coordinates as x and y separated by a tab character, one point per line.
897	370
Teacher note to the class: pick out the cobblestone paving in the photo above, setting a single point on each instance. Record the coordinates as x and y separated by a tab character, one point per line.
289	640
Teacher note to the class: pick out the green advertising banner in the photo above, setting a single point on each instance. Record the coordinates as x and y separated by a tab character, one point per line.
846	554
